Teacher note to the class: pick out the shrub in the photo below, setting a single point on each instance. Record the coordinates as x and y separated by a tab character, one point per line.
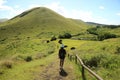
65	35
111	62
8	64
118	50
61	36
47	41
72	48
93	62
28	58
53	38
1	72
106	61
106	36
101	34
92	31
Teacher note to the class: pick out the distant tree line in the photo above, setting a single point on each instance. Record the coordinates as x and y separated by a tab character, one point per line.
109	26
65	35
101	35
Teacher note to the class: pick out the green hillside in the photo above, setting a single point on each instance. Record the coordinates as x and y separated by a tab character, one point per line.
82	23
38	22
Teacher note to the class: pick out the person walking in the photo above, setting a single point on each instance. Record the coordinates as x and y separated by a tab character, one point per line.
61	54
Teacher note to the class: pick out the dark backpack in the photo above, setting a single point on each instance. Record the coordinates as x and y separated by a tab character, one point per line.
62	52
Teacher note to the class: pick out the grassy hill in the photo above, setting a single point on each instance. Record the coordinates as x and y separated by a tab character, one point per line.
38	22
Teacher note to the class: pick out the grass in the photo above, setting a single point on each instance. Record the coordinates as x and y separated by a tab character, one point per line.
101	56
25	70
22	70
107	68
26	47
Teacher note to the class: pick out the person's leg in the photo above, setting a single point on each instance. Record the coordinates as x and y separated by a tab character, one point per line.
62	62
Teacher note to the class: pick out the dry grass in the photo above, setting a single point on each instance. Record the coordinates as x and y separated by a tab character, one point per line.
7	63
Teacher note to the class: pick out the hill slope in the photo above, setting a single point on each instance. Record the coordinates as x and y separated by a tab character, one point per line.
3	20
36	22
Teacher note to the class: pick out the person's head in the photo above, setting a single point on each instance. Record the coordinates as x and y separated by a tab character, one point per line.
62	48
60	41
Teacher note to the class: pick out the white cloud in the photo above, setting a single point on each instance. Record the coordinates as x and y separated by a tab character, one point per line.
16	6
3	6
2	2
84	15
33	5
75	14
118	14
101	7
100	20
53	6
56	7
11	11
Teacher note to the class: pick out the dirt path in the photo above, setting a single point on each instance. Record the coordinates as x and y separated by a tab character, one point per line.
52	72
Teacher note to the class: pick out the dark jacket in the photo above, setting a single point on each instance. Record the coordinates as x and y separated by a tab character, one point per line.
62	53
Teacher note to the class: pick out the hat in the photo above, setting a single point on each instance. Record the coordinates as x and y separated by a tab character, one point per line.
62	46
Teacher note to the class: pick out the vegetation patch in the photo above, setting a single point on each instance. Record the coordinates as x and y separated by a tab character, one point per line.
65	36
28	59
7	64
101	33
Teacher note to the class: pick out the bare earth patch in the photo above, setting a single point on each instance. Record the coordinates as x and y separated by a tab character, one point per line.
53	72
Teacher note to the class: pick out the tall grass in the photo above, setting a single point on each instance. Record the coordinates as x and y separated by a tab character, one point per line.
102	57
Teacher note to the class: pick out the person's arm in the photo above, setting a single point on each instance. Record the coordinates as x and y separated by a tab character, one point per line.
65	52
59	53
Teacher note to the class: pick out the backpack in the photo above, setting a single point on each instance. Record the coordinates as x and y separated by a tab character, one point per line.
62	52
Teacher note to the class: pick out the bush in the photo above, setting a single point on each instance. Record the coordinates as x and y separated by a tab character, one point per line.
61	36
8	64
106	36
110	61
101	33
106	61
53	38
1	72
93	62
92	31
65	35
118	50
72	48
28	58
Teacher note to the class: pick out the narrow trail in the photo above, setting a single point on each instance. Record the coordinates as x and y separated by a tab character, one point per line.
53	72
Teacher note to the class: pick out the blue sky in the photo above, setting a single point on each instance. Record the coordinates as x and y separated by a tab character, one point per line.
100	11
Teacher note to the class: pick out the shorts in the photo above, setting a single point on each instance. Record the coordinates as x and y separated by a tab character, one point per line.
62	57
